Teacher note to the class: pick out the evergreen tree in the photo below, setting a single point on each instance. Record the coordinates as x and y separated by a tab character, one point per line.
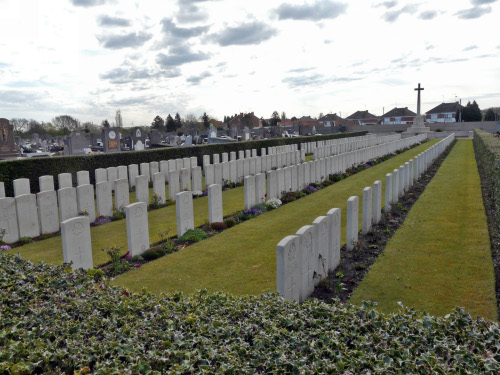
471	112
490	115
205	119
158	124
275	118
105	124
171	126
178	122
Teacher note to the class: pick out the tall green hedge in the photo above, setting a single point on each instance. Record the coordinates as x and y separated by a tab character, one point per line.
487	148
36	167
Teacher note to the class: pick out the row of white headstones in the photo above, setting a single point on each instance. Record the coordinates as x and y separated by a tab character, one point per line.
298	176
305	258
29	215
76	240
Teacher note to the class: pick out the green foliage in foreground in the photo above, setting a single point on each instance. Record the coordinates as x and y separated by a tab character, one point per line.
54	321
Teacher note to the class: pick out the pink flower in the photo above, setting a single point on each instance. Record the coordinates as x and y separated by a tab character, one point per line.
127	255
138	265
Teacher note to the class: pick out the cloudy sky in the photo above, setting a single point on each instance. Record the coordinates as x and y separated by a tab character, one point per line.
88	58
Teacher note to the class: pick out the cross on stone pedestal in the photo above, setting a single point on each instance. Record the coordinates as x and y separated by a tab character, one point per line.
418	99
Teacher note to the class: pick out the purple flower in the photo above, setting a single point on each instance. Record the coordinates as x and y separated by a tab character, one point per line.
253	211
312	188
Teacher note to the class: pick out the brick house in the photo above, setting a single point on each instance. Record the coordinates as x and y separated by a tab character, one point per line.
398	116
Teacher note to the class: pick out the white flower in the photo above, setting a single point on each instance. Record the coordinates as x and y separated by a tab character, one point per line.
197	192
273	203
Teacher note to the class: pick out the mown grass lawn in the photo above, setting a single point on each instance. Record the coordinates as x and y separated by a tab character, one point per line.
242	260
440	258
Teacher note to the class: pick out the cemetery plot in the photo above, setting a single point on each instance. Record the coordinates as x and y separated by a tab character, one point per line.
243	259
440	258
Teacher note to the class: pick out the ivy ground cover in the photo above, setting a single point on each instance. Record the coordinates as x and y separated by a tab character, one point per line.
242	260
57	321
440	258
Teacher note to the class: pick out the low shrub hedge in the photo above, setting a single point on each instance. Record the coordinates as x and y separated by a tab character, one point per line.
487	149
36	167
55	321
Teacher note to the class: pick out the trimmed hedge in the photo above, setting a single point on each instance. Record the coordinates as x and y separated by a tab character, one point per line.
36	167
57	321
487	149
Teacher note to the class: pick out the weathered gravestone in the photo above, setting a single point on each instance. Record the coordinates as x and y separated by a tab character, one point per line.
335	223
196	178
76	242
111	139
141	189
21	186
46	183
101	175
64	180
215	214
27	216
321	230
47	211
85	201
8	148
184	211
137	228
288	268
138	138
159	187
367	214
133	172
249	190
122	196
82	178
67	203
352	222
104	199
76	143
173	184
8	220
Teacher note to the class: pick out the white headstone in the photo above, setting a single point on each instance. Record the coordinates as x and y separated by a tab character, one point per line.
215	213
233	176
173	184
122	195
48	212
64	180
288	178
112	173
206	160
196	179
185	179
82	178
46	183
27	216
137	228
260	188
225	157
159	187
272	184
249	192
308	261
209	175
194	161
395	186
85	201
402	186
2	190
100	175
321	230
288	268
164	168
104	199
335	223
67	203
281	181
377	202
8	220
21	186
388	192
142	189
218	173
122	172
144	168
76	242
352	222
216	158
367	210
133	172
225	171
184	210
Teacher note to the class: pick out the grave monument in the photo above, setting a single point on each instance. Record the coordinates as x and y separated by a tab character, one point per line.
7	145
111	139
418	126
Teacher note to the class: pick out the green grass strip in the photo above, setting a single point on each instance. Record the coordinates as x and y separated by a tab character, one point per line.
242	260
440	258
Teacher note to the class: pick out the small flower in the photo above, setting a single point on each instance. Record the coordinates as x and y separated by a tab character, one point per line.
138	265
5	247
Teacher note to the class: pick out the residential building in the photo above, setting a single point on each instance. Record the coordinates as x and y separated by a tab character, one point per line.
444	112
364	118
245	119
398	116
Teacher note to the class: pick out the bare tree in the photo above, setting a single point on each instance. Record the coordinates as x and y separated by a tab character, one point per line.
66	123
191	124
